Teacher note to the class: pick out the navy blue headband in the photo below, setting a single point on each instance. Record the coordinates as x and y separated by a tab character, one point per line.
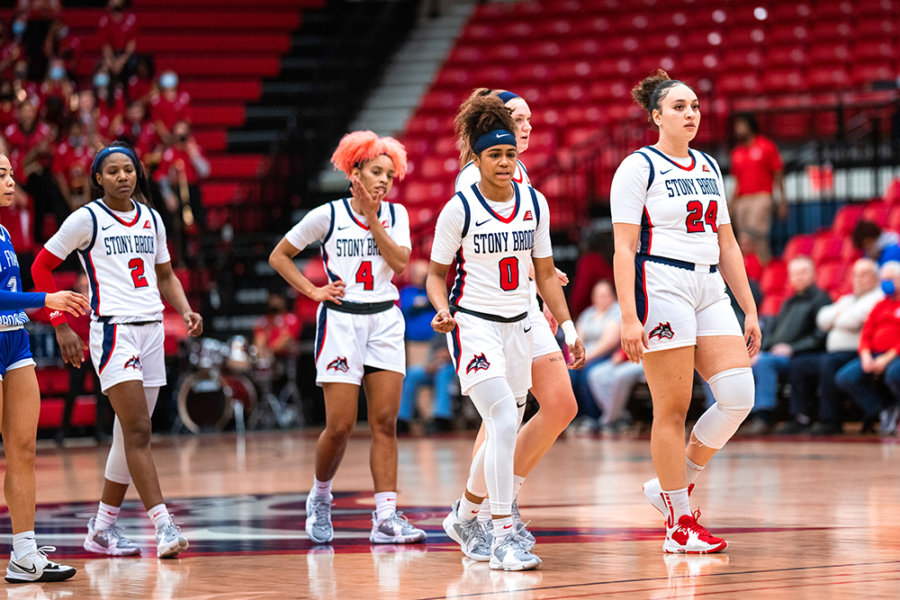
101	156
507	96
497	137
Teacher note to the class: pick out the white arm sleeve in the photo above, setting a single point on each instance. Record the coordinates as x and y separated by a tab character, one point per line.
162	248
311	228
448	232
628	192
400	229
74	234
542	247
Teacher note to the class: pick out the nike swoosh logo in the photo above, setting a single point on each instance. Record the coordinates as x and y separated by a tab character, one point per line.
499	135
481	223
521	405
664	172
527	330
343	228
107	227
32	570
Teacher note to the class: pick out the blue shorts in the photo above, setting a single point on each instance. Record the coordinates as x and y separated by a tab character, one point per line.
15	350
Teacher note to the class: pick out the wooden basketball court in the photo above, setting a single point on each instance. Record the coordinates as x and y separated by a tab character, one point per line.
804	518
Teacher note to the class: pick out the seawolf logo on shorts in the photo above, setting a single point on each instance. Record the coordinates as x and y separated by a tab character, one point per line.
338	364
662	331
134	363
478	362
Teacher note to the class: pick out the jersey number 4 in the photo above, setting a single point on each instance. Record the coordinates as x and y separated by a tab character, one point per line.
364	275
696	221
137	272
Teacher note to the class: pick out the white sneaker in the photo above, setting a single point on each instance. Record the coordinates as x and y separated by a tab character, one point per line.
169	540
471	535
653	492
508	554
521	531
110	541
395	530
35	566
318	518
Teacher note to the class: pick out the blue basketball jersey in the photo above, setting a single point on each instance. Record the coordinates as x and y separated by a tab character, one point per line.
10	280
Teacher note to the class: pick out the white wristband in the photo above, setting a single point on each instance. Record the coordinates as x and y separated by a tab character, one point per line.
569	330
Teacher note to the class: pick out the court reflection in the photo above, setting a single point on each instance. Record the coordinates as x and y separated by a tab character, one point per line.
685	571
478	578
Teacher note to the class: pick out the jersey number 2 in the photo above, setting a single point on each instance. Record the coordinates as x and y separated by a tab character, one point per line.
509	273
364	275
695	218
137	272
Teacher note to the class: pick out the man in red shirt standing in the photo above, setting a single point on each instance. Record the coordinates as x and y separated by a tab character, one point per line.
873	379
759	176
118	30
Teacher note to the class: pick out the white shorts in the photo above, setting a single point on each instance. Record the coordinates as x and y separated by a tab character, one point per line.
346	343
678	305
542	339
483	349
122	352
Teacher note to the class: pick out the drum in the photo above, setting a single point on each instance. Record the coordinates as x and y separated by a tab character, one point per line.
206	401
207	354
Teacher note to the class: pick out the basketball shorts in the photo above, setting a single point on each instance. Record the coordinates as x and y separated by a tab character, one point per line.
678	305
346	343
15	350
542	338
128	352
483	349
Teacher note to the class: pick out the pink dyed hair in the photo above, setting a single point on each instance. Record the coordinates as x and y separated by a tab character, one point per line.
360	146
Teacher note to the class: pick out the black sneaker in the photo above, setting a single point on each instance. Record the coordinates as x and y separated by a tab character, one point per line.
35	566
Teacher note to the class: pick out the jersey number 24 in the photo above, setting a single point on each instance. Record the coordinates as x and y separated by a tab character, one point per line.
696	221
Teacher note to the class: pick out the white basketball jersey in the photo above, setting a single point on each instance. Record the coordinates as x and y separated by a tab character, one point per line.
678	206
119	258
349	250
470	174
492	252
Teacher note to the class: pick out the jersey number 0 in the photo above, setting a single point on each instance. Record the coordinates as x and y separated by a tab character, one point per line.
509	273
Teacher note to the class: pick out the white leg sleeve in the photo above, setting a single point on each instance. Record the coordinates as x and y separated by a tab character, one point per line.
476	483
496	404
116	464
733	390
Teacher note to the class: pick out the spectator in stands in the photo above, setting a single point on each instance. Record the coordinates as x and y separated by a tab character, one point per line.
118	30
10	52
427	356
141	133
873	379
598	326
170	105
30	146
109	102
759	178
792	333
811	374
276	338
594	264
72	166
61	44
611	383
79	375
38	16
141	83
180	170
7	104
881	246
56	90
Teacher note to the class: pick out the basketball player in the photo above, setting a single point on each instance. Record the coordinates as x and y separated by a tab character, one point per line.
359	336
550	382
674	245
20	403
121	243
493	230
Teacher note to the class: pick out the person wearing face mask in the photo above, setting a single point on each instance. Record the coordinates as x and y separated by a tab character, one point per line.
109	104
10	51
118	30
72	165
57	85
275	337
170	105
873	379
359	335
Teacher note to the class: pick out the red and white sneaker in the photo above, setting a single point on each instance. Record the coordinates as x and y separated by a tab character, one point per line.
653	492
689	537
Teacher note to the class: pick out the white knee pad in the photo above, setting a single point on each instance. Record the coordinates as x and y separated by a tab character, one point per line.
116	463
733	390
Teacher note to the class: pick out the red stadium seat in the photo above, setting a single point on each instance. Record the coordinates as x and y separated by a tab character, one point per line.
877	212
784	80
828	76
831	276
799	245
846	218
892	194
774	277
827	247
771	305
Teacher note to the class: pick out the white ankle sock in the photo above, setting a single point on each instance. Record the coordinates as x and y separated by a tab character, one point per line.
158	514
692	469
385	505
678	502
484	514
106	516
503	527
467	510
321	488
23	543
